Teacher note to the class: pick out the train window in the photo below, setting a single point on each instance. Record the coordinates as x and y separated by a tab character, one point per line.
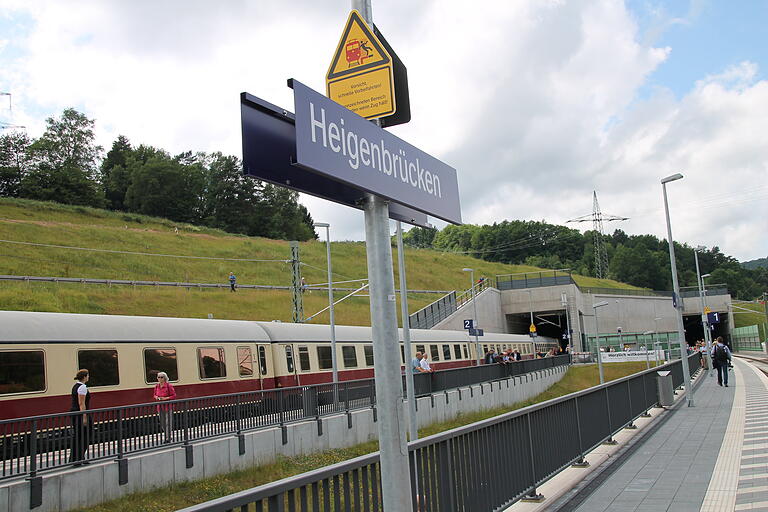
446	352
263	360
420	348
324	358
101	365
289	359
160	360
457	351
22	371
211	362
368	349
304	358
245	361
434	351
402	354
466	352
485	349
350	356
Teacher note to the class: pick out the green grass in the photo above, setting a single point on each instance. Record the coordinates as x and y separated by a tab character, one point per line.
742	318
53	224
189	493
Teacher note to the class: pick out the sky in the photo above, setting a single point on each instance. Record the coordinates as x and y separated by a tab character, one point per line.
535	103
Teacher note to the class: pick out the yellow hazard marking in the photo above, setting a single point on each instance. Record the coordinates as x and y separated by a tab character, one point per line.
360	76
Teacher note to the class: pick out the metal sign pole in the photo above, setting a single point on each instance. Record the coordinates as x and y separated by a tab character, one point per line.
393	449
412	427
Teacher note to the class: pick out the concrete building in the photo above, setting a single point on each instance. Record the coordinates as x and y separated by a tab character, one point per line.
508	304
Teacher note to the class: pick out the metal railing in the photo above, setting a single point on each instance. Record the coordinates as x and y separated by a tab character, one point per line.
625	291
483	466
173	284
534	279
432	314
39	443
711	290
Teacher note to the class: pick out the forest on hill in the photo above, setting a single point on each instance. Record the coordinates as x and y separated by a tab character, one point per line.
208	189
67	166
639	260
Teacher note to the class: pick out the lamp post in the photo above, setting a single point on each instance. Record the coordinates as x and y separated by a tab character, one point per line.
474	310
330	305
597	337
676	291
704	322
658	339
409	392
564	303
618	327
647	355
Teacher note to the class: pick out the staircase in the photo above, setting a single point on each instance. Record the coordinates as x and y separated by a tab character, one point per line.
432	314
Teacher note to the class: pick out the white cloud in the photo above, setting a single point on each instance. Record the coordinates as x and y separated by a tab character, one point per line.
535	103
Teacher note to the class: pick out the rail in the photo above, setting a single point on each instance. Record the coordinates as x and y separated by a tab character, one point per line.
432	314
40	443
534	279
126	282
483	466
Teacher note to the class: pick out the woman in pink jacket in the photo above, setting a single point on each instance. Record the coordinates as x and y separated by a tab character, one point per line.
164	391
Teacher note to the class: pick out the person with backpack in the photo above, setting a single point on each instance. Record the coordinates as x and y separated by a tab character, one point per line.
721	358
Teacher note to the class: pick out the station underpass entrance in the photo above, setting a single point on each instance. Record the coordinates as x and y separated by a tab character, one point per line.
551	324
694	331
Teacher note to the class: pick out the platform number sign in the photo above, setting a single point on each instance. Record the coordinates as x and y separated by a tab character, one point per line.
713	318
469	324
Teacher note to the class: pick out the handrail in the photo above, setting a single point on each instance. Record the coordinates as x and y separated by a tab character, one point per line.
38	443
459	469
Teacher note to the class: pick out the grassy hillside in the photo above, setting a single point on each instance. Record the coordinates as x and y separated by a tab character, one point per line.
52	224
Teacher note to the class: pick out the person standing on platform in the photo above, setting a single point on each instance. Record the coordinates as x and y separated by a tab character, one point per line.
81	401
416	364
721	357
425	364
164	391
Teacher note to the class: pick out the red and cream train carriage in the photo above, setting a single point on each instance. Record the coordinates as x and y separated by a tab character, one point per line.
41	352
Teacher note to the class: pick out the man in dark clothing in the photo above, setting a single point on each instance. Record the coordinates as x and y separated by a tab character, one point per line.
721	357
232	282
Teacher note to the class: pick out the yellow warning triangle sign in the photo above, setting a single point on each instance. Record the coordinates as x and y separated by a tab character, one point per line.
358	49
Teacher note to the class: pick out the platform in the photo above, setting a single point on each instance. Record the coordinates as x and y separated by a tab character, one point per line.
711	457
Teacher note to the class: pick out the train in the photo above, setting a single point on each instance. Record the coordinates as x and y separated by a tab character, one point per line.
41	352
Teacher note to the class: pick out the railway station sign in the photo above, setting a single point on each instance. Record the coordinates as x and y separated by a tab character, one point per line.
269	154
361	74
339	144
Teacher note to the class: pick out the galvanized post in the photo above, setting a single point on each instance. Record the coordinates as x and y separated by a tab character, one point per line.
298	304
610	440
676	290
412	427
581	463
533	495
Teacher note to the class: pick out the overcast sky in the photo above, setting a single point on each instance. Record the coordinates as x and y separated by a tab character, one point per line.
535	103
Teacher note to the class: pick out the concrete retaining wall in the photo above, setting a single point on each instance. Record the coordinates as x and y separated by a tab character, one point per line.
96	483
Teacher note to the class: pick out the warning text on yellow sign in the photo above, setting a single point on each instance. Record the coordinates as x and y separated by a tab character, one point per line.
368	94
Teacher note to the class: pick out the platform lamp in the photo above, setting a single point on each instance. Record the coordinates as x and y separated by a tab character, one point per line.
647	356
597	338
474	310
676	291
330	302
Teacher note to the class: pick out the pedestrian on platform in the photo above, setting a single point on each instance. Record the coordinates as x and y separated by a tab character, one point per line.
232	282
490	356
721	357
81	426
163	392
425	364
416	364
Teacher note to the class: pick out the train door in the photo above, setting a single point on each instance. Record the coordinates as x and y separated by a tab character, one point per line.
262	364
291	377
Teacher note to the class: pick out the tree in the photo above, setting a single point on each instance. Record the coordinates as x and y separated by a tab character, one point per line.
64	161
114	172
14	162
165	188
420	238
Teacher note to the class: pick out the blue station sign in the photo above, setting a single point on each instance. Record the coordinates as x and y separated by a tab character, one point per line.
269	154
339	144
